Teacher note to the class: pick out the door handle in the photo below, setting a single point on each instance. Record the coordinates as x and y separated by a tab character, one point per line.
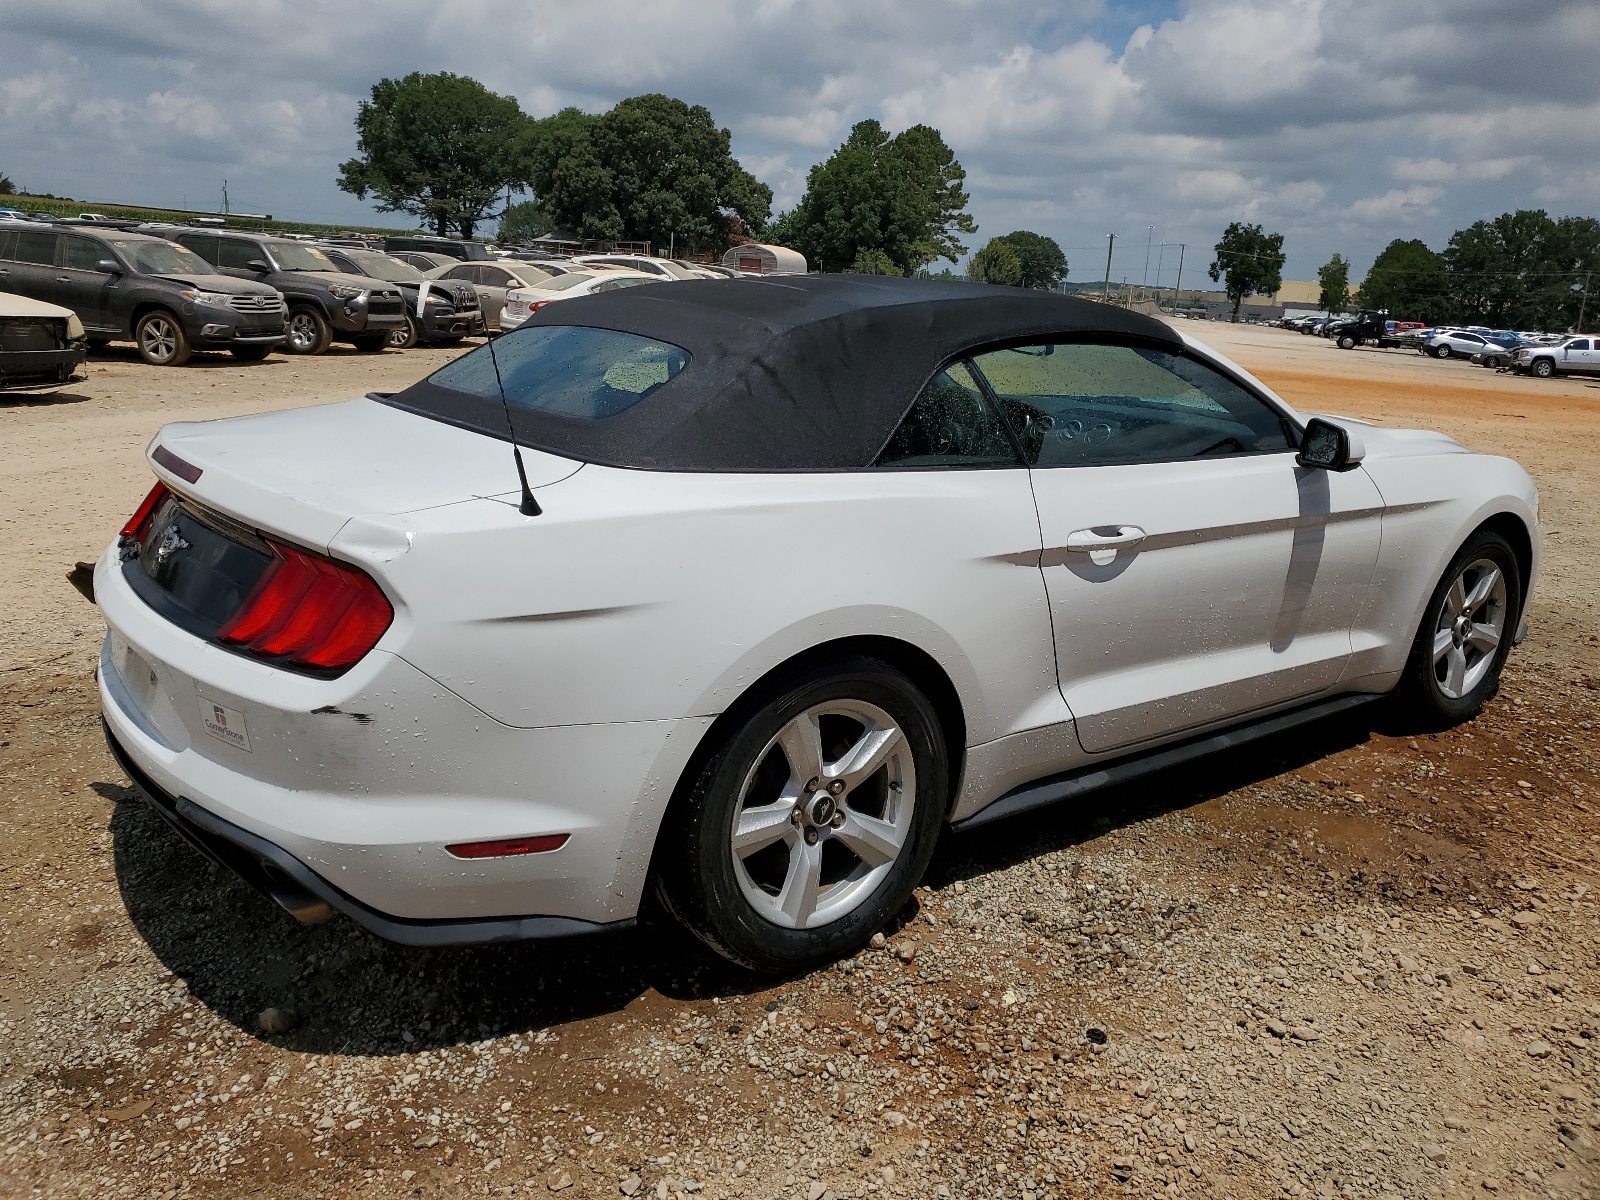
63	278
1105	537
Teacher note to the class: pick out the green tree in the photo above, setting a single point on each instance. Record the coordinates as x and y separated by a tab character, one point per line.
1407	280
524	222
997	262
1250	262
7	188
873	262
1334	275
901	195
1522	269
1044	266
652	169
442	147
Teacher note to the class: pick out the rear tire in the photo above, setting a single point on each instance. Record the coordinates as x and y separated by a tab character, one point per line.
250	353
371	343
797	893
309	332
1465	635
161	340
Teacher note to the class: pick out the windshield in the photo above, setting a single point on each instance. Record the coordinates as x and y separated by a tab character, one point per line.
375	265
162	258
570	370
291	256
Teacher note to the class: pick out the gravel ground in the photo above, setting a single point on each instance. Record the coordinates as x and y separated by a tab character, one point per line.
1353	961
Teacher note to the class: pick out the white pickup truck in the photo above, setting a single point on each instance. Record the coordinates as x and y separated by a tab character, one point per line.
1576	355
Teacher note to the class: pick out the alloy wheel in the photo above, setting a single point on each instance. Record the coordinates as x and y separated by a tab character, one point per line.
302	332
158	338
824	814
1472	622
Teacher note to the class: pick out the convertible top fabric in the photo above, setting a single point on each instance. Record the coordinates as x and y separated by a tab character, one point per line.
793	373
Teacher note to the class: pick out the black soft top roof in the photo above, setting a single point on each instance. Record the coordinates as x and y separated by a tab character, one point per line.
792	373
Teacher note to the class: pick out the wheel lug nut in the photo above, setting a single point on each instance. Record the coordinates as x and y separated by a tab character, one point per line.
836	786
811	837
838	820
812	785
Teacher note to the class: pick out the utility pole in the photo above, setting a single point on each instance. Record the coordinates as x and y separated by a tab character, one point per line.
1160	258
1105	289
1179	285
224	196
1148	238
1584	303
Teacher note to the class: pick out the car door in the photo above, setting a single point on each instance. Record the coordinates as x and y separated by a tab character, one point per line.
1195	572
82	286
31	268
493	284
1577	356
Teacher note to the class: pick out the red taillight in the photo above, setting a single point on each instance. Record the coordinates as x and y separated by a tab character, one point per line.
535	305
139	524
311	610
506	847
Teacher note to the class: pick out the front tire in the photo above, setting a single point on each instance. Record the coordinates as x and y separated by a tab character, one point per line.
161	340
405	337
1441	352
807	828
1543	368
309	332
1465	635
1346	342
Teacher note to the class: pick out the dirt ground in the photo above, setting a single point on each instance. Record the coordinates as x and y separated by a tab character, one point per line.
1353	961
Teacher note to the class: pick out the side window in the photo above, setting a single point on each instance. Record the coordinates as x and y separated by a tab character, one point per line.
37	248
952	424
81	253
236	255
8	244
1580	344
1082	404
205	247
470	274
495	277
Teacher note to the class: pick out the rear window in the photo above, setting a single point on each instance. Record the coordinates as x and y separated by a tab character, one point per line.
568	370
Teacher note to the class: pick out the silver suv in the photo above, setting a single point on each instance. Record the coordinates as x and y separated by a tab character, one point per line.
1575	356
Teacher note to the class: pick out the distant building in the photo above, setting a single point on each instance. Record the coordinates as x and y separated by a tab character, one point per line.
758	258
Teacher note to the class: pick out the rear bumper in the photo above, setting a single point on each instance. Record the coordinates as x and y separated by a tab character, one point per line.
310	898
351	788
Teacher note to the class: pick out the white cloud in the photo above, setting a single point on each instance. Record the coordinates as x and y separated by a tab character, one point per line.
1398	204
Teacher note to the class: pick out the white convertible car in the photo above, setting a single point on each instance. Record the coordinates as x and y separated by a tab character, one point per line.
802	572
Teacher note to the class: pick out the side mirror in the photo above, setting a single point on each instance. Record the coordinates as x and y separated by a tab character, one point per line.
1329	447
108	266
259	264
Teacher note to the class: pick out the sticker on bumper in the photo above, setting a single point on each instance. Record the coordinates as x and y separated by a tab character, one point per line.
225	724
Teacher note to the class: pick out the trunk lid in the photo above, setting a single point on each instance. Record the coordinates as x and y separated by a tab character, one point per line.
302	474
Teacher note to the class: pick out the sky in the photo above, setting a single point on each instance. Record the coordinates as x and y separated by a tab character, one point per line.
1340	123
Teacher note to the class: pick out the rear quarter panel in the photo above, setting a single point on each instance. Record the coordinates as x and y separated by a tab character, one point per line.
649	595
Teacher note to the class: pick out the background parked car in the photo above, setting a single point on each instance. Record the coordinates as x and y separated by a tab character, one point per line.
1460	342
324	303
522	303
664	267
40	344
461	251
1575	356
493	280
423	260
441	312
166	299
